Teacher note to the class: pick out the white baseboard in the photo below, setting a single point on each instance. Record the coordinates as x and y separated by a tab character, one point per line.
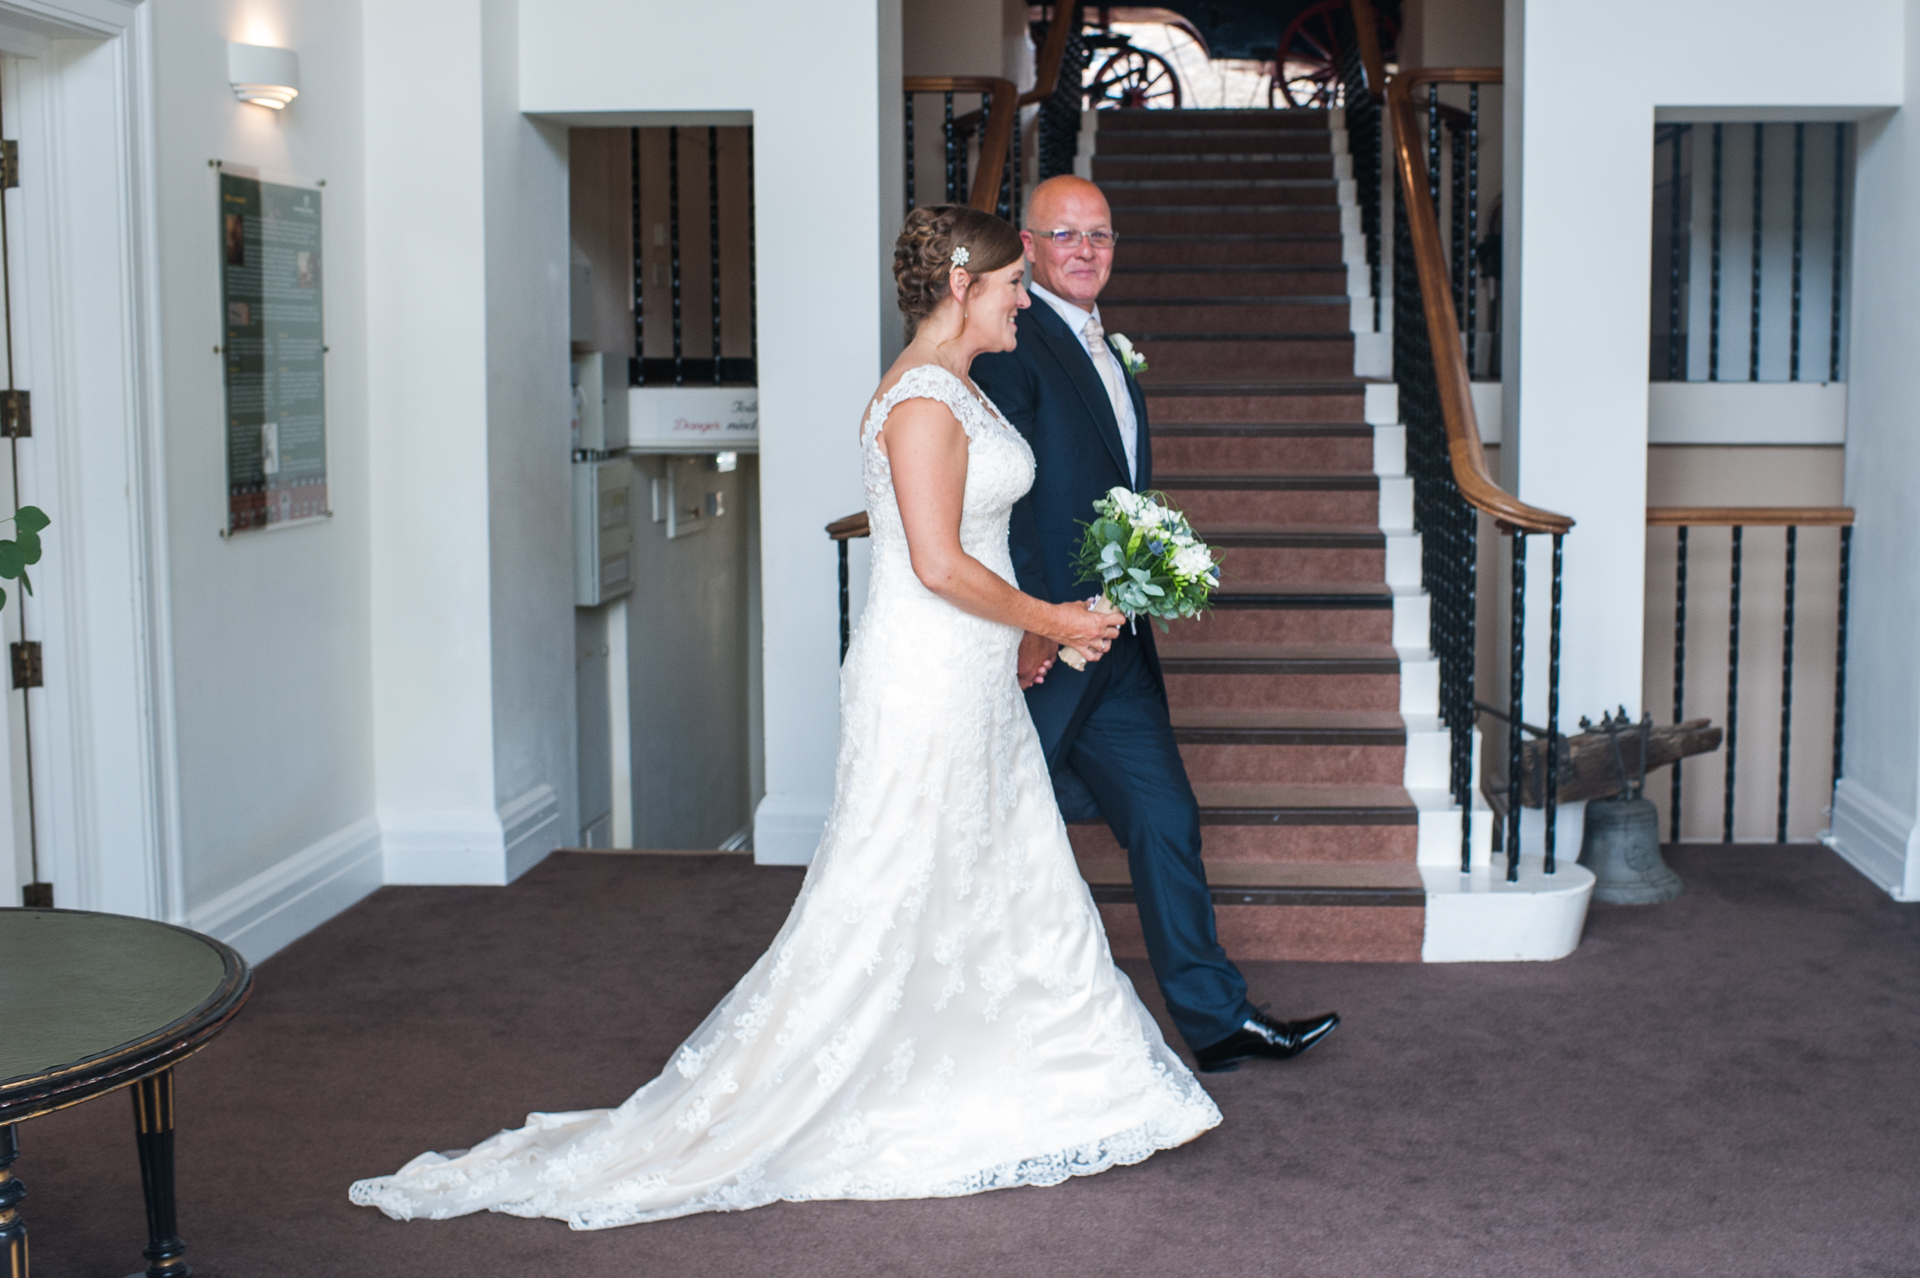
787	829
1874	837
483	848
285	901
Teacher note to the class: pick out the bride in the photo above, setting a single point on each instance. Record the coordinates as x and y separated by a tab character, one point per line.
940	1014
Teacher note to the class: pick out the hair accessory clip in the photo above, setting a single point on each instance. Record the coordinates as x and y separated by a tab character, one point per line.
960	256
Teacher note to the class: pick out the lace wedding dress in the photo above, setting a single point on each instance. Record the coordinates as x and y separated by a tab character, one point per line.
940	1014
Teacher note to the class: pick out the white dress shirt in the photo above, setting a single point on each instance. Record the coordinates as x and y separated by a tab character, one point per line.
1107	366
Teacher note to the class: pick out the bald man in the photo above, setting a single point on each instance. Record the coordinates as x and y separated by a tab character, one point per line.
1106	730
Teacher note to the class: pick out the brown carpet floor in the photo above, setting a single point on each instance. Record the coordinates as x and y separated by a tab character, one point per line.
1725	1085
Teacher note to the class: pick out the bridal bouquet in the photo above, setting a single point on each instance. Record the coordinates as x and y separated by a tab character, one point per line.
1147	560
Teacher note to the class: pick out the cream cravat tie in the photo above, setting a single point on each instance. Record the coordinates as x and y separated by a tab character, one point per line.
1108	368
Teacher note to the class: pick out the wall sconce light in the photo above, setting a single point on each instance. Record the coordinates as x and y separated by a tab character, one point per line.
263	75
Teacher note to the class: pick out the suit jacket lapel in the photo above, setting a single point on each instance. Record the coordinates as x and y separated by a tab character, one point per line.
1078	363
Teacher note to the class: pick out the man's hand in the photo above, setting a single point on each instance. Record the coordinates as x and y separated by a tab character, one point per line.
1036	658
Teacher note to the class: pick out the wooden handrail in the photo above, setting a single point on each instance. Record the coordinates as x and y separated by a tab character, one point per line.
1367	33
1749	516
1046	67
995	140
1452	380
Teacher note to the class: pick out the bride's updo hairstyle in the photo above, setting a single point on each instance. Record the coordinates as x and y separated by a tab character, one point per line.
923	255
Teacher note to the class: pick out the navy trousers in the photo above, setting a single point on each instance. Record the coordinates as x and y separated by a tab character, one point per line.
1118	759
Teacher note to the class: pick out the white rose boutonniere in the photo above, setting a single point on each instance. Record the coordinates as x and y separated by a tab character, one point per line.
1130	359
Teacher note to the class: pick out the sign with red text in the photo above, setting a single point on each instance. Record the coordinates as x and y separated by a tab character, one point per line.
693	419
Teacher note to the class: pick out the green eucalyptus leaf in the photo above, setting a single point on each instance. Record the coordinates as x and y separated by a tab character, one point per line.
29	546
12	561
31	519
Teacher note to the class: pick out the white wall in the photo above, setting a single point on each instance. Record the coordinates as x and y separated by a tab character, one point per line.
818	202
1874	811
1579	125
271	666
472	615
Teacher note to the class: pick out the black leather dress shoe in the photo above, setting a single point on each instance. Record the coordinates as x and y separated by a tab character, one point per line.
1262	1036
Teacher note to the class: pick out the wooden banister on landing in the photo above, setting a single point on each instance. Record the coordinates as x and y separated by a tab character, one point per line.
1046	66
996	139
1451	378
848	527
1749	516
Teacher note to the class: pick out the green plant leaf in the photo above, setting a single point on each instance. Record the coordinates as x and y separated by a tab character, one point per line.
31	519
13	561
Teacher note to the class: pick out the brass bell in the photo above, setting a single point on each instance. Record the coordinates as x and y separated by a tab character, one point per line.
1622	840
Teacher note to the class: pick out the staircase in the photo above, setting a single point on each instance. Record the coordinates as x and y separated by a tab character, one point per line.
1305	704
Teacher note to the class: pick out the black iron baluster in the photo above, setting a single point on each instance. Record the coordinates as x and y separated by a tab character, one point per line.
846	605
1018	174
1786	691
753	270
1799	227
640	269
1675	373
673	235
1839	239
1679	673
1433	147
713	239
1840	654
1733	687
1473	224
1516	657
906	118
1759	203
953	176
1457	230
1713	314
1552	808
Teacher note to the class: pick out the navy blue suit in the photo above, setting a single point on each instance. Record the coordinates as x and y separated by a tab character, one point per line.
1106	732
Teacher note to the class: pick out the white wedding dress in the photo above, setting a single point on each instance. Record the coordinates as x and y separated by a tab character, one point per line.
940	1014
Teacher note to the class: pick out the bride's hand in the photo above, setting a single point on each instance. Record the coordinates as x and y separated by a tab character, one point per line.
1075	625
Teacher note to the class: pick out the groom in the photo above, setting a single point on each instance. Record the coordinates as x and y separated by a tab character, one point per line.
1106	731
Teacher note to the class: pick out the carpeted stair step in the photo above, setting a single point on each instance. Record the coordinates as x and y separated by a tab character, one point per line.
1181	166
1230	120
1277	283
1232	358
1150	251
1307	747
1243	317
1271	824
1275	500
1256	677
1258	402
1293	612
1232	193
1280	913
1295	448
1272	217
1176	143
1303	556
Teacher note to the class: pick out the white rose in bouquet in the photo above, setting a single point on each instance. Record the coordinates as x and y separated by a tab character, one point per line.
1193	562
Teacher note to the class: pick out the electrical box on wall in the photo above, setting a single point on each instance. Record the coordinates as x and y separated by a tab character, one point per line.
602	531
599	403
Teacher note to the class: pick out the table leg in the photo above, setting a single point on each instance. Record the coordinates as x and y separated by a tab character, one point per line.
153	1132
13	1230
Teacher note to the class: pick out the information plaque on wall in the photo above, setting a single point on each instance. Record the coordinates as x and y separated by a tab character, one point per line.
271	349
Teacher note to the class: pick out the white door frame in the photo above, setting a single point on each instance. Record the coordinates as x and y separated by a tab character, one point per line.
84	232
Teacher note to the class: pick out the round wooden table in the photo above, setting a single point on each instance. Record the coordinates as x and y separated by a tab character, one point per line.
91	1003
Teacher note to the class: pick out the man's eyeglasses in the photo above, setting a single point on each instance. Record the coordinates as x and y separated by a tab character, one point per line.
1102	240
